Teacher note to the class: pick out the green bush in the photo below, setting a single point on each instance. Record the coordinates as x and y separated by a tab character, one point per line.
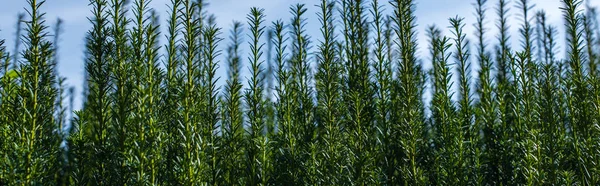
346	107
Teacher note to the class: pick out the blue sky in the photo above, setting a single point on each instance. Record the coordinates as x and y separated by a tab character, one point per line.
74	13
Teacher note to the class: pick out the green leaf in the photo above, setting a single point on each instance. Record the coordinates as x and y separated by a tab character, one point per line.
11	74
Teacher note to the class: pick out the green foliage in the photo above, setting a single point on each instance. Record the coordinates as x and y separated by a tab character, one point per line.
445	124
485	109
354	110
211	112
31	152
169	99
232	115
89	141
408	115
5	95
285	139
189	119
579	99
464	130
328	90
358	93
258	151
383	74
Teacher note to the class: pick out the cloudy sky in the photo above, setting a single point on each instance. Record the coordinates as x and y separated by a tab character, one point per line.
74	13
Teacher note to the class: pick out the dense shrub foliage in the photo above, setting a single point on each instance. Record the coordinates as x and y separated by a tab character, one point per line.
346	107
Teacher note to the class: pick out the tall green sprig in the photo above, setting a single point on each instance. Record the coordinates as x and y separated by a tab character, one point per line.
383	75
328	90
529	142
465	128
485	107
359	93
592	41
16	56
6	98
142	120
578	100
152	143
257	165
121	67
503	49
211	53
189	127
300	75
35	150
60	107
551	128
505	97
89	142
232	117
170	91
285	136
442	110
409	128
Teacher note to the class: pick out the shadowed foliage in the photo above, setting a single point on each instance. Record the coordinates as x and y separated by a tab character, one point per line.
360	103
